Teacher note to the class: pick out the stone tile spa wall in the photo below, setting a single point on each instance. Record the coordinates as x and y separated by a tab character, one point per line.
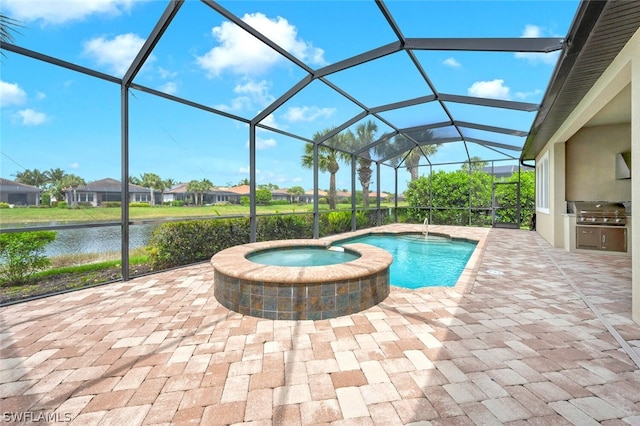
306	292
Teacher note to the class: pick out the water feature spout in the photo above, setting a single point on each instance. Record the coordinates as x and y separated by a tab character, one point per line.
425	228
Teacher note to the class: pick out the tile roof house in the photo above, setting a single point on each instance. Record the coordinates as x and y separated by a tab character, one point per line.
213	196
108	189
18	194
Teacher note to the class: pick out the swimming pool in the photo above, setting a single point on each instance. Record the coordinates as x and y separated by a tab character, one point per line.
420	262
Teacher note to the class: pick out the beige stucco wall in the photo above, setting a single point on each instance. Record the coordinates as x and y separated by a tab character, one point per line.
635	177
550	225
582	152
590	164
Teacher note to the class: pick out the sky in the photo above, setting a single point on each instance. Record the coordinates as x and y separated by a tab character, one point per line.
52	117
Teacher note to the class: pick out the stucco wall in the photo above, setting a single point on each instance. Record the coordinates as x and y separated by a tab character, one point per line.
590	164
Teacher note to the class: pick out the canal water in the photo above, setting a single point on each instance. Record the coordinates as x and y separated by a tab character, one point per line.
97	240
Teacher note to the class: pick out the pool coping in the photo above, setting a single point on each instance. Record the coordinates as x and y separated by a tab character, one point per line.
233	262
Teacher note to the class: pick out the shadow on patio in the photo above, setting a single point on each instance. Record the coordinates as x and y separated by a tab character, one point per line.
520	343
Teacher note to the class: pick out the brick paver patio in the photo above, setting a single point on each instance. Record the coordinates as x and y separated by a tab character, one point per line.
536	335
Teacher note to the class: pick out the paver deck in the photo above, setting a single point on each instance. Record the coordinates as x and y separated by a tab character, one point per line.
536	335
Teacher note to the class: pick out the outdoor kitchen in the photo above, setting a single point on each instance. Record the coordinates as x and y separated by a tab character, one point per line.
598	190
599	226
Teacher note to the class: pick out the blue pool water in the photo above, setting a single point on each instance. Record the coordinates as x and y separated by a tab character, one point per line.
420	262
301	256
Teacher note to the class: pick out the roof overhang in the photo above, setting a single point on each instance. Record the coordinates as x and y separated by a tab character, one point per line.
599	32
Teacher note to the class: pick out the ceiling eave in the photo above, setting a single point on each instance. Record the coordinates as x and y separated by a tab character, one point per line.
598	33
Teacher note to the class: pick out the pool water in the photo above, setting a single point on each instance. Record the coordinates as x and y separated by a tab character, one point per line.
301	256
420	262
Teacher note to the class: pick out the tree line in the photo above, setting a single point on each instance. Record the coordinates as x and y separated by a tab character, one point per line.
336	149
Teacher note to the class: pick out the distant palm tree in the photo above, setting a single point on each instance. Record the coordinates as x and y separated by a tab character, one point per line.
295	192
412	156
55	178
32	177
153	182
73	182
475	164
327	159
365	135
198	188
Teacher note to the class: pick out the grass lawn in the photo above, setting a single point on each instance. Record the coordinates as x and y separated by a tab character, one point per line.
25	216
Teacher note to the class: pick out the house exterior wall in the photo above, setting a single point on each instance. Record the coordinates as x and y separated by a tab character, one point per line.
20	198
624	70
590	162
635	177
549	224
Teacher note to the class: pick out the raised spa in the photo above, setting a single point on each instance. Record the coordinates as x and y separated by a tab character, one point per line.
303	256
356	278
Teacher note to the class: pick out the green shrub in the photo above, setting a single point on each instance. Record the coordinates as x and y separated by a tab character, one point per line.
182	243
279	203
4	205
62	205
340	221
21	254
284	227
323	200
245	201
139	204
110	204
177	203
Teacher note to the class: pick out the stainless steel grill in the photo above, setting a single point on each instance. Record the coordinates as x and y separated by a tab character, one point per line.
600	213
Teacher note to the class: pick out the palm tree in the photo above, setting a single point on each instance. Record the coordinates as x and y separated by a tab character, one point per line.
55	178
295	192
153	182
198	188
475	164
365	134
205	185
327	160
413	155
73	182
7	28
32	177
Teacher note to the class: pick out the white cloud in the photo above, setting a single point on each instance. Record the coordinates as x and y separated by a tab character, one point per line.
241	53
11	94
451	62
169	87
534	31
31	117
245	170
494	89
61	11
527	95
253	94
307	113
165	74
74	165
117	53
40	95
258	92
270	121
264	143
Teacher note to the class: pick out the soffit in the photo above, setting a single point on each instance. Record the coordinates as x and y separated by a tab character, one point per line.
600	32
